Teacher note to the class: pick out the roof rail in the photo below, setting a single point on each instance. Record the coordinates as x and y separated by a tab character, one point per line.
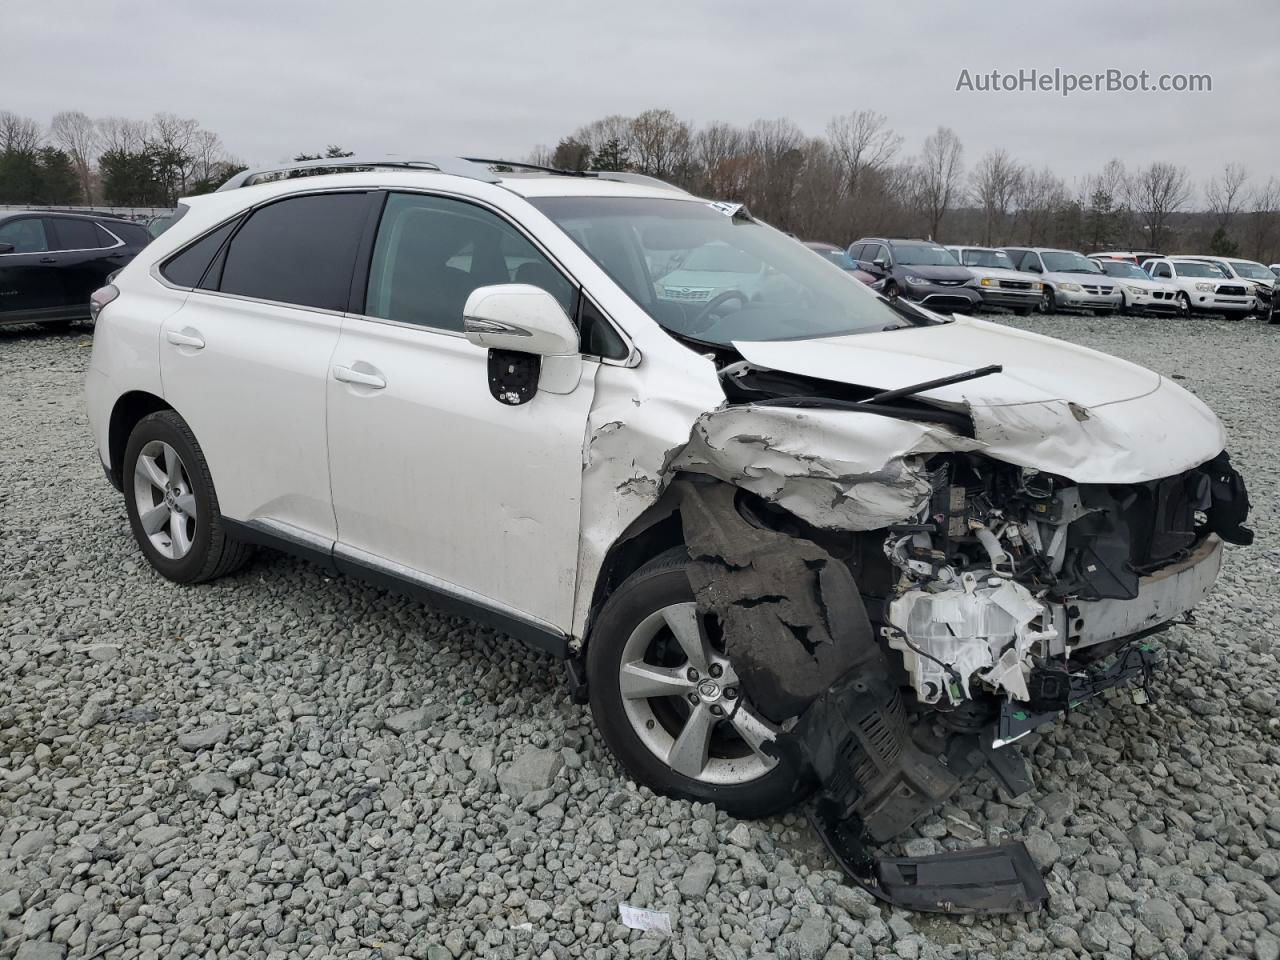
473	168
456	166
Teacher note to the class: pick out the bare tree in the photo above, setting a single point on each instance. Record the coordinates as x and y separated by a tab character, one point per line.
719	149
18	134
1159	191
995	182
1225	193
661	142
940	179
121	135
540	155
1263	221
862	143
1039	196
77	135
775	149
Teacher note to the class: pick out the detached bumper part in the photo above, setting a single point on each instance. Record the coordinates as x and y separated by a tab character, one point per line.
1003	879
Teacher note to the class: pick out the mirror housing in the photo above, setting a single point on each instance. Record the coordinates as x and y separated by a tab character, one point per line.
6	247
879	263
519	317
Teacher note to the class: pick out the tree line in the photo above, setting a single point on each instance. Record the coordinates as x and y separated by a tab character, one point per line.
114	161
857	179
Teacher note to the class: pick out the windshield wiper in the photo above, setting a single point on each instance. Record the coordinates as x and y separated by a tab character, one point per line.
887	395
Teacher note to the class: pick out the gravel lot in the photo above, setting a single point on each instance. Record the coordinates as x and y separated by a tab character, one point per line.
280	764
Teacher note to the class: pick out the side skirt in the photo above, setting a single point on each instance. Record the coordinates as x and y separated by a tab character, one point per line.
337	561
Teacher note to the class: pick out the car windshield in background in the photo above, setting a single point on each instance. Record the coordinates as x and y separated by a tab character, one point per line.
923	255
1119	268
837	256
1193	268
703	270
1057	261
987	258
1251	270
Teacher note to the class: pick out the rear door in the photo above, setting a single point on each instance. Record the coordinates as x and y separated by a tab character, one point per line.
84	255
245	359
26	276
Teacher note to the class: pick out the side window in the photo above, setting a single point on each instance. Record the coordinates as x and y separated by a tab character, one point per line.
1163	270
856	251
106	238
431	252
26	234
1030	261
187	267
300	251
596	335
76	234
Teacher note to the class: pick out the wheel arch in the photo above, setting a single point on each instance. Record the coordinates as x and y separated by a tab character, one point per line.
129	408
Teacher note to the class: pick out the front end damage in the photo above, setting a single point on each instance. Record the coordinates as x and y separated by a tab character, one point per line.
900	614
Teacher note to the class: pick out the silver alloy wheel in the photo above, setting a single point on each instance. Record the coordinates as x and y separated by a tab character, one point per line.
691	716
164	499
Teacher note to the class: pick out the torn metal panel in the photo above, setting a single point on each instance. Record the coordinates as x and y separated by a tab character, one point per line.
636	426
835	469
791	613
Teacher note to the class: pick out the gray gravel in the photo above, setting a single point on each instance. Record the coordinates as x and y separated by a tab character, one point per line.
284	765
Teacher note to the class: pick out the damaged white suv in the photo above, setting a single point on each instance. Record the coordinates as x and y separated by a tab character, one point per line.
786	536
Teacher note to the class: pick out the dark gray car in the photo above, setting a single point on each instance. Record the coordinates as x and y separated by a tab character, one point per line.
919	270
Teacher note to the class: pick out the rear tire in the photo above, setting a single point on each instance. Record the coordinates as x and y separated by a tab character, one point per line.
644	731
172	506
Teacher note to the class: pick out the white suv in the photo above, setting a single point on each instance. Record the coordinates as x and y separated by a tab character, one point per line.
735	517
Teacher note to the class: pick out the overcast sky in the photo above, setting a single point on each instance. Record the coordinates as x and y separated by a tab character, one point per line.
274	77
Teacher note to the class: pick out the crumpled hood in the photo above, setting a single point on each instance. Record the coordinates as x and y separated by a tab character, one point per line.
1056	407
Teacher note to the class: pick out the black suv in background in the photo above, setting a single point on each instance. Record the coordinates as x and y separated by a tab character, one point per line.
919	270
51	262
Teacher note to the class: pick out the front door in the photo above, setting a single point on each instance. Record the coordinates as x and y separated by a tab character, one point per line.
28	271
433	479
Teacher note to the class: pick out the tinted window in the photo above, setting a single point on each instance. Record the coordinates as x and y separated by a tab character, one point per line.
26	235
874	252
187	267
431	252
300	251
1162	270
855	251
597	336
131	233
77	235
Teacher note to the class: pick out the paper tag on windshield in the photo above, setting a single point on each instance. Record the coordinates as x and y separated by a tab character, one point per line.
637	918
728	209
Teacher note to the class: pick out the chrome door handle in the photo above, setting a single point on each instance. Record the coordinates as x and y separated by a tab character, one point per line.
350	375
193	340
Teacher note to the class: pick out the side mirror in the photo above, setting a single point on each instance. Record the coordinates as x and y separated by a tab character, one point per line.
1033	268
532	343
519	317
6	247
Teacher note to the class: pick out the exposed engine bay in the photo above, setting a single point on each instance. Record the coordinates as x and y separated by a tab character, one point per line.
897	661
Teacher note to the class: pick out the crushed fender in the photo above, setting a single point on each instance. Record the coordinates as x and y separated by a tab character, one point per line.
793	618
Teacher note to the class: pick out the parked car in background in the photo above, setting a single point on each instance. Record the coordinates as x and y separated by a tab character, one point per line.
1203	287
51	262
1141	293
1071	280
1138	257
1274	268
998	283
1258	280
919	270
840	257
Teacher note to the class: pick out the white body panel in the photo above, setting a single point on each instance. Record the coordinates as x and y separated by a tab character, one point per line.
434	474
1203	293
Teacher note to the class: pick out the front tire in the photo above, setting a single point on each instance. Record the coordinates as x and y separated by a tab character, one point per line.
665	697
1048	302
172	506
1184	305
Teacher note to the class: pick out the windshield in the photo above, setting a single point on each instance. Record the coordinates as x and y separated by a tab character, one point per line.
986	258
1254	271
1118	268
1190	268
923	255
1059	261
648	246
